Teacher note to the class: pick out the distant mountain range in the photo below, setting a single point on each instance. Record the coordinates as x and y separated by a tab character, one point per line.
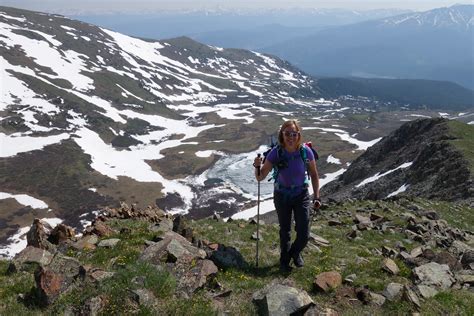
230	28
436	45
414	93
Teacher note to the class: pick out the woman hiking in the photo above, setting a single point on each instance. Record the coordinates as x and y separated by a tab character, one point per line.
292	161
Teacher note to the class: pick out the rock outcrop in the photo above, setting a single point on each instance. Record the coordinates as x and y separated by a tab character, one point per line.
417	159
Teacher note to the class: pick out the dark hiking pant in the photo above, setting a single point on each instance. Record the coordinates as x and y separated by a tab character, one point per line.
299	206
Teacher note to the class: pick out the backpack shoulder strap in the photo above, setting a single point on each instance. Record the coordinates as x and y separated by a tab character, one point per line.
304	157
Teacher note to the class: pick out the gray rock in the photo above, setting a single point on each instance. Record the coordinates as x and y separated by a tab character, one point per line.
318	240
159	252
228	257
417	251
93	306
38	235
278	299
438	275
467	258
465	278
390	266
393	291
28	256
56	278
196	277
445	257
176	251
458	248
360	219
377	299
165	225
109	243
389	252
426	291
410	296
143	297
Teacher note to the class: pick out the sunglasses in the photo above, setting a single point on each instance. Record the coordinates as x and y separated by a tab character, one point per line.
291	134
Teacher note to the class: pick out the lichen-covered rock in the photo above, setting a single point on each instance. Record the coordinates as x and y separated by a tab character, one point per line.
327	281
277	299
30	255
438	275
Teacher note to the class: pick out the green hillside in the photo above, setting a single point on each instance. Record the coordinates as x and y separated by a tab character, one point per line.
120	277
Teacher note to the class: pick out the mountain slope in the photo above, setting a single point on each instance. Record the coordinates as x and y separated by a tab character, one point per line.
420	158
415	93
90	116
434	45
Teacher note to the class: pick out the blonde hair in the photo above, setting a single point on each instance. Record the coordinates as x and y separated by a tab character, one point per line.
286	124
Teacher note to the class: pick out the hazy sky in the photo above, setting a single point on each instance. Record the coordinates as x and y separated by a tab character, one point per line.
70	7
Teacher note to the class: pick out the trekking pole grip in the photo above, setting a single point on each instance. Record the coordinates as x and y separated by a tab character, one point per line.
258	169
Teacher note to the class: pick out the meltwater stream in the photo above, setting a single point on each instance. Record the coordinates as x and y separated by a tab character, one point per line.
238	171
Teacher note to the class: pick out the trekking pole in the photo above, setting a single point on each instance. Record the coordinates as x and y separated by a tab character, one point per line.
258	212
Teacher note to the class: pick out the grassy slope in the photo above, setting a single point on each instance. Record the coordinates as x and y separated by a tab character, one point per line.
464	141
341	256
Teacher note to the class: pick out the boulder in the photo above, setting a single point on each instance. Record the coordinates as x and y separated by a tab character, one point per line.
390	266
228	257
438	275
181	227
108	243
61	233
393	291
172	248
143	297
445	257
38	235
426	291
100	229
377	299
30	255
410	296
197	276
277	299
467	258
56	279
163	226
327	281
458	248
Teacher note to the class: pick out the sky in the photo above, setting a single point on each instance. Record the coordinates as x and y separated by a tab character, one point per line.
129	6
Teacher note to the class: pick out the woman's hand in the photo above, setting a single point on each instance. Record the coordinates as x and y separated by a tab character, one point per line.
257	162
317	203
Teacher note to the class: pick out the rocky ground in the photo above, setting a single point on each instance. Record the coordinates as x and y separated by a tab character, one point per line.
399	256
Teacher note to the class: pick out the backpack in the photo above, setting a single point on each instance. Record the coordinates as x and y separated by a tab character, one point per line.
282	161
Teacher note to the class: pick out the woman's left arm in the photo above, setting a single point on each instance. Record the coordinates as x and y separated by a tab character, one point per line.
313	172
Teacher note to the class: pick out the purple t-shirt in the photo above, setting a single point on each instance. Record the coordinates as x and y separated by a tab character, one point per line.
295	173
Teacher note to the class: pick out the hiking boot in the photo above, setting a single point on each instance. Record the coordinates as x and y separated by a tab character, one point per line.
285	268
298	260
